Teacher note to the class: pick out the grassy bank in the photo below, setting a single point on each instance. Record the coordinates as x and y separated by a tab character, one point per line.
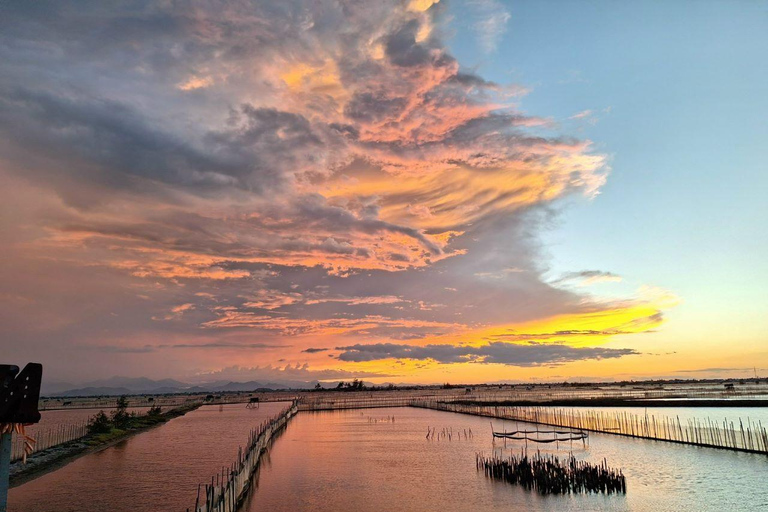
45	461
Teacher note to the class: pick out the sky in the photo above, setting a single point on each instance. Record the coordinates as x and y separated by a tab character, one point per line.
398	191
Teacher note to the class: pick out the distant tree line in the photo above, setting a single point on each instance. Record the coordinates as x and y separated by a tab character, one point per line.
354	385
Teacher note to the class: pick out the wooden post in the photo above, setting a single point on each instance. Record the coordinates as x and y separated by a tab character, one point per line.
5	470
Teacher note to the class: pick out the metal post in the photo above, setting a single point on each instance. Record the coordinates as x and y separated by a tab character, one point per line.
5	470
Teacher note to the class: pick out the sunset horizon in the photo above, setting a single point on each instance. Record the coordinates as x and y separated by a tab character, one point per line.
374	255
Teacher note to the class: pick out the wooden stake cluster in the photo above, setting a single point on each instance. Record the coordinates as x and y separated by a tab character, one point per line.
551	475
385	419
230	486
751	437
449	434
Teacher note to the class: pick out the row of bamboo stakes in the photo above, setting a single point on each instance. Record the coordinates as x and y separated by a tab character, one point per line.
751	437
349	400
334	404
48	438
230	486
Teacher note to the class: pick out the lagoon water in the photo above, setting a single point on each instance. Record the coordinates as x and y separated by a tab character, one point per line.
361	460
158	470
342	462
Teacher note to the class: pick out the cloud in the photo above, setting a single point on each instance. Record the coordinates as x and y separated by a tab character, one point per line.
491	22
176	346
193	175
581	115
587	277
324	117
270	299
223	345
195	82
746	371
301	372
512	354
590	116
116	349
177	312
579	333
230	318
315	350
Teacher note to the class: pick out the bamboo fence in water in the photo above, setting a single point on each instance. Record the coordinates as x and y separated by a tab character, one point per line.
48	438
751	437
328	404
228	489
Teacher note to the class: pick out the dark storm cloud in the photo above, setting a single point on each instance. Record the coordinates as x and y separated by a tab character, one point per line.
403	49
512	354
373	106
107	141
195	176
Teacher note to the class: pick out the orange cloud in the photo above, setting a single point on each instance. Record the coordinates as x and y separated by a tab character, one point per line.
338	176
195	82
231	318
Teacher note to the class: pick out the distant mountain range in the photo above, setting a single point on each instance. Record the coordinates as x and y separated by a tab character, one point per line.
116	386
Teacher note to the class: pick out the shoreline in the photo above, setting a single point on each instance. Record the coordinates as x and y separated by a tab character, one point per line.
52	459
618	402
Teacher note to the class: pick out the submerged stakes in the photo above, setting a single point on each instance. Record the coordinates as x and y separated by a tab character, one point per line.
550	475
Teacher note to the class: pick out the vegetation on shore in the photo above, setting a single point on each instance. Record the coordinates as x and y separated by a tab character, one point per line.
103	428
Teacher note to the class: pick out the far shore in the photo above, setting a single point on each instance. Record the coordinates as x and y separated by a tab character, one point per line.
621	402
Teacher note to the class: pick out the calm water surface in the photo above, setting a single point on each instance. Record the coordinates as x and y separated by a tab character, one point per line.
360	460
158	470
341	461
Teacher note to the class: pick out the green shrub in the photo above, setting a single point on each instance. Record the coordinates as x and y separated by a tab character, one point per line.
121	418
99	424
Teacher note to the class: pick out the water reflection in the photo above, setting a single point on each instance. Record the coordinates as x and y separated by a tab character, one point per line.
716	414
340	461
153	471
380	459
